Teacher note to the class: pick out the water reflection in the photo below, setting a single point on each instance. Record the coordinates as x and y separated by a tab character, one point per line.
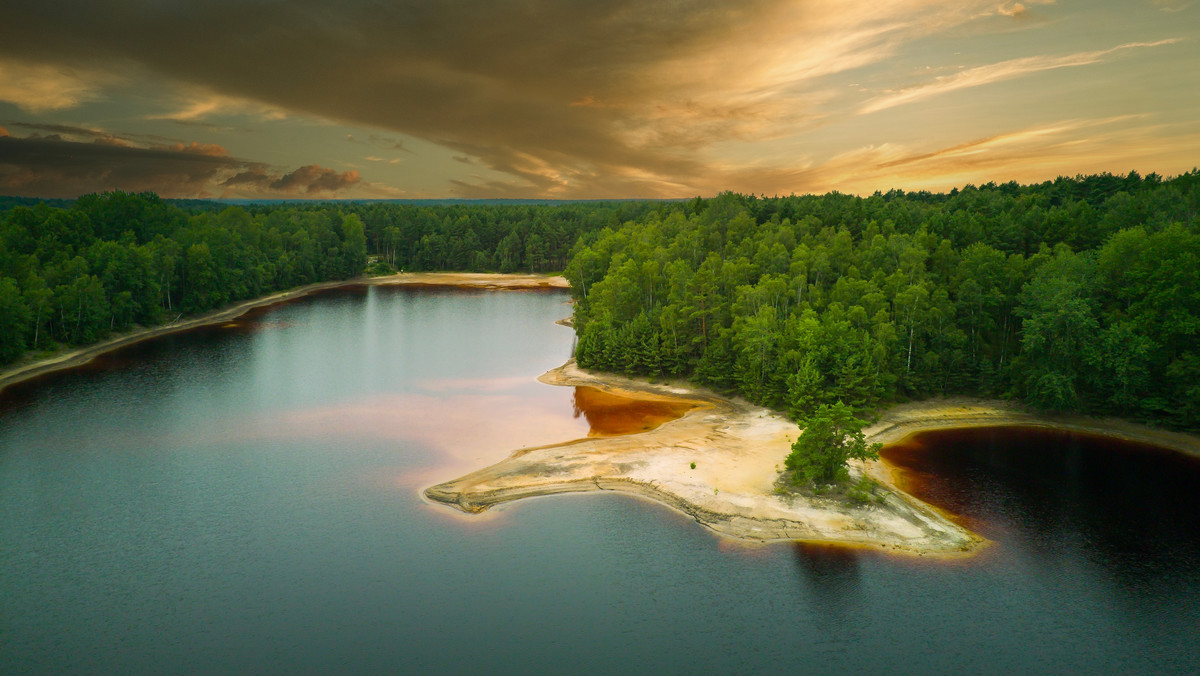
611	414
1075	506
830	571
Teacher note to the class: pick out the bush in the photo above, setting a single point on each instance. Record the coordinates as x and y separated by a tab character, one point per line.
832	435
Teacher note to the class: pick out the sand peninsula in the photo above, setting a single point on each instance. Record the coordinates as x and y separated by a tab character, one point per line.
738	450
27	369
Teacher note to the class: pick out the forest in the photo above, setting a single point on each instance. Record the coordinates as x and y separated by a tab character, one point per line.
1073	295
74	272
1078	294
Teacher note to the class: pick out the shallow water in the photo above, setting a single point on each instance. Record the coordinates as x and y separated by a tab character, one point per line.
609	414
246	499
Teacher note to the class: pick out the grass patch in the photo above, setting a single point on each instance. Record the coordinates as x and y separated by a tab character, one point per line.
857	492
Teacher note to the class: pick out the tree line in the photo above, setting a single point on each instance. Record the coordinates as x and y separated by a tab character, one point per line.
485	237
1080	294
72	272
1074	295
72	275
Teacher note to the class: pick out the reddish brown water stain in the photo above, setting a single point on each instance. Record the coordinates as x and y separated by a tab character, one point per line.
992	480
611	414
911	467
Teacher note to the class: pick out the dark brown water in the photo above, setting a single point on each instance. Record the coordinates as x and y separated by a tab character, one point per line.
611	414
1038	485
246	499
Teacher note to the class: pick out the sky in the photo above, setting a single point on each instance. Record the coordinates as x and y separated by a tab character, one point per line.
580	99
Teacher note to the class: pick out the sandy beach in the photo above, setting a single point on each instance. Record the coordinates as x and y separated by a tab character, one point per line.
738	450
31	368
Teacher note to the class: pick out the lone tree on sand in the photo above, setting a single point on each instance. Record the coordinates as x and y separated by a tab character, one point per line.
832	435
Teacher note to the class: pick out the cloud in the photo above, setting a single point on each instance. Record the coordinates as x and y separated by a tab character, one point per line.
1028	154
198	104
1020	10
69	132
1172	6
997	72
549	98
52	166
196	148
1013	10
388	143
379	141
38	88
655	84
307	180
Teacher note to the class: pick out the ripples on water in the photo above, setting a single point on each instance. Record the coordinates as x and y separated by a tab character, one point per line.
245	499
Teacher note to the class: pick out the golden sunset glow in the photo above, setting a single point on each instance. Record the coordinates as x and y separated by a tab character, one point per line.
572	99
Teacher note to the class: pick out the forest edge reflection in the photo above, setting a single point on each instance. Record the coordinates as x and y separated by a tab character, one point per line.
26	370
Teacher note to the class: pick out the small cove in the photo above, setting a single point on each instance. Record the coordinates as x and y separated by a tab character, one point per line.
609	414
1031	486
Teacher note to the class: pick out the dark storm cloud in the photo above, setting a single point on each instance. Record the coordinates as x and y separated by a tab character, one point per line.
308	180
494	78
60	129
68	132
49	166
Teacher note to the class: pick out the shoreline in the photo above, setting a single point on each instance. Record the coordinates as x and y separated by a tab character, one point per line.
901	421
743	446
737	448
23	371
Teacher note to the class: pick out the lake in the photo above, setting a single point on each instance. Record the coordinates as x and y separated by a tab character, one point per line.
246	498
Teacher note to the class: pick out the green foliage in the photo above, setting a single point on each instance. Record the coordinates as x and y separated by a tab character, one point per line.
71	273
14	320
379	267
1059	331
863	492
483	237
832	435
1077	295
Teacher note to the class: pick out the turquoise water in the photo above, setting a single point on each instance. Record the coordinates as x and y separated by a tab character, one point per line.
247	499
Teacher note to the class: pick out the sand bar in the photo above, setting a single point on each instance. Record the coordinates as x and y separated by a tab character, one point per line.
738	450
